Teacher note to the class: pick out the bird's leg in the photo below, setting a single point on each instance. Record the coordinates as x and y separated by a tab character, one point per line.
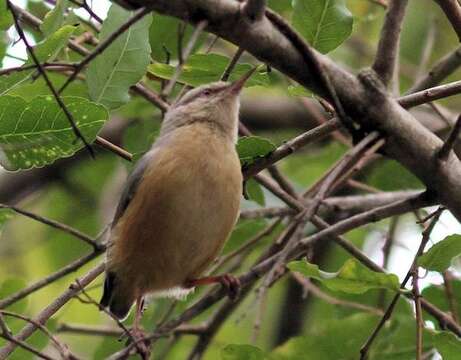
229	282
137	333
138	314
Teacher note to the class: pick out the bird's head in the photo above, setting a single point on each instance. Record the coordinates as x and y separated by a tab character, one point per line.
215	103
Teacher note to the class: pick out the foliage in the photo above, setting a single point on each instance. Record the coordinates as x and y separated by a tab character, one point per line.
324	304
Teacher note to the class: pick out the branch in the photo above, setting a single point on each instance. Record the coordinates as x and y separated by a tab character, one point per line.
184	55
57	225
425	238
72	267
51	309
451	140
388	47
363	97
446	66
452	10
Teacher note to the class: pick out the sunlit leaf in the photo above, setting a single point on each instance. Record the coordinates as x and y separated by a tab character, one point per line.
6	19
54	18
45	51
353	277
324	23
250	148
36	133
123	63
439	257
448	345
205	68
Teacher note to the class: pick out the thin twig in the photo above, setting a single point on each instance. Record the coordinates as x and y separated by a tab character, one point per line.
187	51
230	67
57	225
447	65
418	313
425	238
452	301
73	266
449	143
51	309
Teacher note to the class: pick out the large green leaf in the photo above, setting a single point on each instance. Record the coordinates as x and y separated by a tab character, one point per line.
352	278
163	37
437	295
242	352
448	345
439	257
251	148
45	51
37	133
54	18
123	63
201	69
6	19
324	23
389	175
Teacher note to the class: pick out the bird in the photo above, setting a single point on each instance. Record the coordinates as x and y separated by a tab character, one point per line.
180	203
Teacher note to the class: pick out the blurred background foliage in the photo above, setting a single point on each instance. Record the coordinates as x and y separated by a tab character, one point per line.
82	192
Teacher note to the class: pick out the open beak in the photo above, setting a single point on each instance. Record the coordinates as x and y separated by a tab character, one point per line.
237	85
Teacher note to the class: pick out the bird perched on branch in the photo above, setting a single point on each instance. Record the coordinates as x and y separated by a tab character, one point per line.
180	203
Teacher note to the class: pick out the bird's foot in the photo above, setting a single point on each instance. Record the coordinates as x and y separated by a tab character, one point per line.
229	282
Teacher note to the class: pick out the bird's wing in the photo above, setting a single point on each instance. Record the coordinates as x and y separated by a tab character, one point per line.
132	185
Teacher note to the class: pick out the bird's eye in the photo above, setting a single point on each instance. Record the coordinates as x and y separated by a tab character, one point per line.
206	92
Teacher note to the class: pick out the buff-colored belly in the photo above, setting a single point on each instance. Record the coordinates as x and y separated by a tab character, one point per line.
189	206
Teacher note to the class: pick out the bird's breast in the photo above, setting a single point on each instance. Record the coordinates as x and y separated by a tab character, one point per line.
184	209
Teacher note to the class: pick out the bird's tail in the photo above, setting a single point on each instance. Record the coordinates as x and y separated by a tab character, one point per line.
114	298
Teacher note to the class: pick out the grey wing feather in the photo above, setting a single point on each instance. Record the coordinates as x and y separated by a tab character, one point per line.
131	186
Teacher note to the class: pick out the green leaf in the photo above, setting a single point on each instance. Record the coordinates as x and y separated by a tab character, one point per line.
11	286
163	34
202	69
54	18
298	90
436	294
45	51
448	345
6	19
353	277
250	148
5	215
255	192
389	175
324	23
243	231
439	257
37	133
123	63
242	352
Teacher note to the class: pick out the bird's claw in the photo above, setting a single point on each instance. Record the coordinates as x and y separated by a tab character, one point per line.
232	286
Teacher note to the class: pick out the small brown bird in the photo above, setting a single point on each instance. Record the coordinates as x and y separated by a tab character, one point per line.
180	202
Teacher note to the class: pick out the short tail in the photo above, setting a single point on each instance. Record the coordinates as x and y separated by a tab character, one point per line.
113	298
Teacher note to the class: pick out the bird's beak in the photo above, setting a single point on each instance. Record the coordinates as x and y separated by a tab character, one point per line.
237	85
